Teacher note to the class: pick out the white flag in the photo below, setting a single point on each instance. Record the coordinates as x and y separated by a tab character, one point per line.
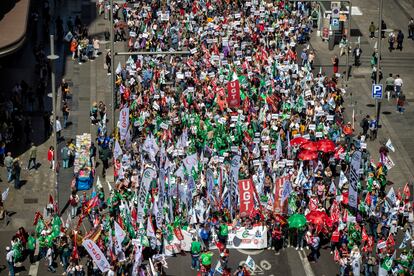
109	186
4	195
98	183
342	179
190	162
97	255
119	233
250	263
118	68
287	190
278	154
390	145
117	150
392	197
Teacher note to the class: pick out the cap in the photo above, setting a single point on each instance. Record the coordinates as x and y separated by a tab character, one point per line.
8	248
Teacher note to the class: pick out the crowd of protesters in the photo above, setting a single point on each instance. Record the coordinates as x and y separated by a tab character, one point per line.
185	139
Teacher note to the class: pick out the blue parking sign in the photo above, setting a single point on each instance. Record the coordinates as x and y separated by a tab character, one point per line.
377	91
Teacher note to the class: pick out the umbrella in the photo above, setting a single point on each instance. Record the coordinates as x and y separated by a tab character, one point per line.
296	221
326	145
312	146
307	155
317	217
281	219
298	141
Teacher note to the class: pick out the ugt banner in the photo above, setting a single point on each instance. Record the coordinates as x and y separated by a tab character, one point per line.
279	205
233	94
123	122
97	255
246	196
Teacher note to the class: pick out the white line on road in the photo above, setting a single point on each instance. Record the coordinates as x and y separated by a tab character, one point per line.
250	252
306	265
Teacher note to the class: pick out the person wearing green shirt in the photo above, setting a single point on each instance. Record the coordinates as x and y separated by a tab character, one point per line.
195	254
223	233
31	247
206	260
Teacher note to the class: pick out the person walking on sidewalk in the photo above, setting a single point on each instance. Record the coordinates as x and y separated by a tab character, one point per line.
357	52
398	83
65	113
411	28
8	162
108	62
400	40
32	157
391	41
371	30
389	86
335	64
401	103
50	157
16	173
104	155
65	151
10	260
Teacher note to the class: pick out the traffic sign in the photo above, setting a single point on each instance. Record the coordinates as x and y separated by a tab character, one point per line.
335	8
335	24
377	91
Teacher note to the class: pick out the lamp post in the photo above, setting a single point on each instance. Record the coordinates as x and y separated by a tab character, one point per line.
113	97
377	79
52	57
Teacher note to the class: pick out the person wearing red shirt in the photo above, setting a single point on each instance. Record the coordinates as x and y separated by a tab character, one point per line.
50	157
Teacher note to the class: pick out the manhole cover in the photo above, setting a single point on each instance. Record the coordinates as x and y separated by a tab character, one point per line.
386	113
30	200
370	105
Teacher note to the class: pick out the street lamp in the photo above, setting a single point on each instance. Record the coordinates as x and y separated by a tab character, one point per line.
52	57
377	79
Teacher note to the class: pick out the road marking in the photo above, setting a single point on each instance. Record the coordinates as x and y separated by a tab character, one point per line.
250	252
306	265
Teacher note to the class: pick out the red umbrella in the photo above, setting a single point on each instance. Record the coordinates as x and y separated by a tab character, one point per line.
326	145
311	146
317	217
298	141
307	155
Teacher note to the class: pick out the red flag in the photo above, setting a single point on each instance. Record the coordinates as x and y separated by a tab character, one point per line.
233	94
278	205
79	222
36	218
246	196
75	254
399	196
335	212
364	234
134	217
120	222
390	241
368	200
92	203
336	255
345	216
406	192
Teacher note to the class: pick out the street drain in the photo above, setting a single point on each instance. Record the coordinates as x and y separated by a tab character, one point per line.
370	105
386	113
30	201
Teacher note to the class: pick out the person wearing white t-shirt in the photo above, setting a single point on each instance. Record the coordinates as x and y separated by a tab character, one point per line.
10	260
398	83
